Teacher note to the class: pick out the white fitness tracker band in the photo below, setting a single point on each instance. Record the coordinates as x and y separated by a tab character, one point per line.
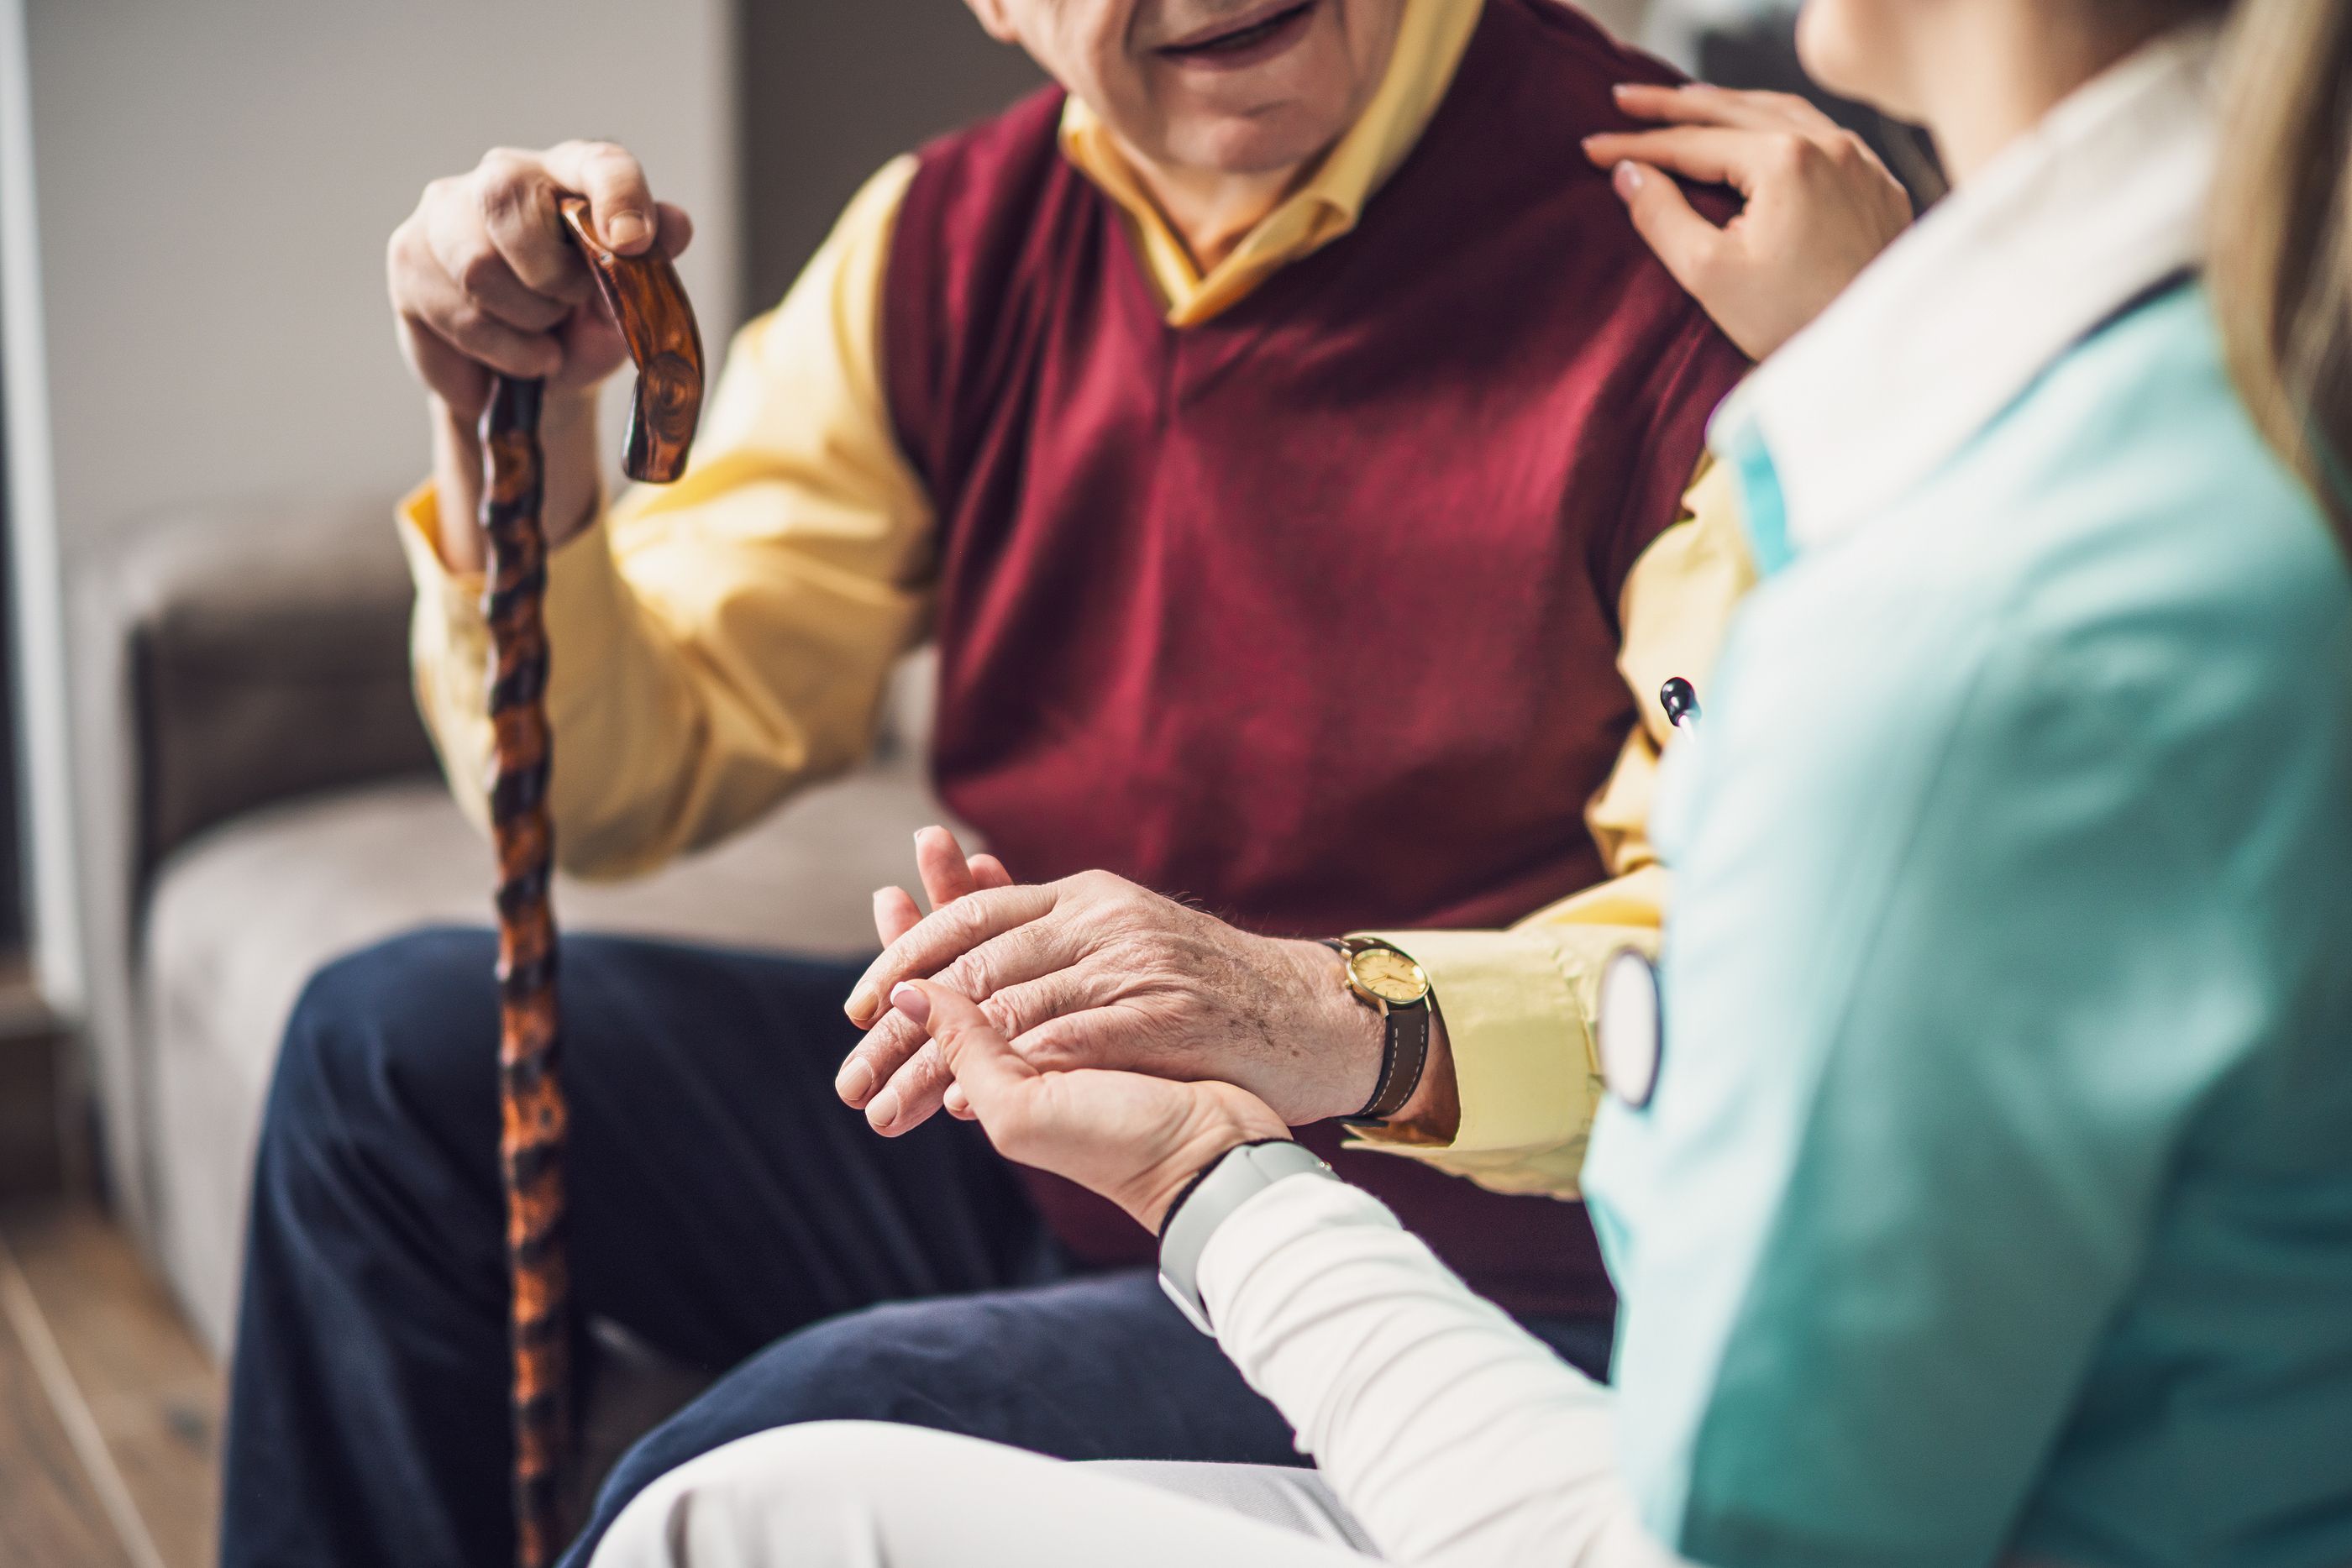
1238	1175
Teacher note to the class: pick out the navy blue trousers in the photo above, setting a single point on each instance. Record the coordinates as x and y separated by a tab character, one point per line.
726	1208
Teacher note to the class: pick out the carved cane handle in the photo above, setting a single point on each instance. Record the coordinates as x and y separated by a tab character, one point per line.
649	303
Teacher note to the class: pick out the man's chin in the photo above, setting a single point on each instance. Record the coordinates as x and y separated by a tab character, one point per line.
1272	141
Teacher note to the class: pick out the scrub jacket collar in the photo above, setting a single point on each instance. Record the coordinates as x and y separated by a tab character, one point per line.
2100	202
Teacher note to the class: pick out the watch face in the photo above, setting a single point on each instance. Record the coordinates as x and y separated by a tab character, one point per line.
1389	976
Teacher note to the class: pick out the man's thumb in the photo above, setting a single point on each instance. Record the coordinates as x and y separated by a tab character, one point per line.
1666	220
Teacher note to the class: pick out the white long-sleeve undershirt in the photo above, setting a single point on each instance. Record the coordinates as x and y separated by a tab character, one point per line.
1454	1435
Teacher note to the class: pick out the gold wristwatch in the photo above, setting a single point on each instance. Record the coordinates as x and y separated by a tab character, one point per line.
1396	988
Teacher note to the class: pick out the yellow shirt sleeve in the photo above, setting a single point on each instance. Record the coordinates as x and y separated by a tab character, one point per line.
717	643
1519	1004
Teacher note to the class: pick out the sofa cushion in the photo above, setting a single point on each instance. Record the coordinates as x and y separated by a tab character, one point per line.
242	917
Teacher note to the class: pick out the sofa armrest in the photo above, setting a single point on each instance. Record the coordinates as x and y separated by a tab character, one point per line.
265	648
223	657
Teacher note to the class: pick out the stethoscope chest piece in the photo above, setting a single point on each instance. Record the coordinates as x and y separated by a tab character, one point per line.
1629	1030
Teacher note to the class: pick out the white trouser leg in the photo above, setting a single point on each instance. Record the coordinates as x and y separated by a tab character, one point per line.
861	1494
1299	1500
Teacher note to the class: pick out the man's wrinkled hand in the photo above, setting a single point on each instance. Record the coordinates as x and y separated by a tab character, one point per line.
483	277
484	282
1092	971
1136	1140
1820	205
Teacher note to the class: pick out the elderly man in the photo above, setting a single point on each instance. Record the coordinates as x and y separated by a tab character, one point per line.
1283	434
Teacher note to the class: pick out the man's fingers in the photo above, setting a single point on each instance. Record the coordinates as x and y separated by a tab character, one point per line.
940	938
441	308
1687	243
1035	951
917	1089
939	862
513	209
875	1061
620	204
886	1072
877	1065
1081	988
1079	1037
957	1103
920	1083
459	378
981	1059
677	228
461	239
895	914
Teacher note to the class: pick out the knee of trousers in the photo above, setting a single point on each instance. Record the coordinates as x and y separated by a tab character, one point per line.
810	1496
403	1029
916	1362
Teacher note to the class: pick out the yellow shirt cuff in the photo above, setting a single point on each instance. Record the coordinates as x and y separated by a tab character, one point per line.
584	591
1517	1039
449	640
452	595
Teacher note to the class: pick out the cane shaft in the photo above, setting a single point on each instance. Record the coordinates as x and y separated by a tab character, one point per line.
647	303
531	1094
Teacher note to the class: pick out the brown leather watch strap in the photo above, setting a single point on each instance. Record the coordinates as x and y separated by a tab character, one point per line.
1402	1062
1405	1049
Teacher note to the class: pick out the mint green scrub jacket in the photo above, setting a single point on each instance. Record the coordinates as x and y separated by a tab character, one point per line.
1996	1195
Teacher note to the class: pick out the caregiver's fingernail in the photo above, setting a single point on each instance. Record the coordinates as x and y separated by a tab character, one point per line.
910	1000
856	1081
1629	178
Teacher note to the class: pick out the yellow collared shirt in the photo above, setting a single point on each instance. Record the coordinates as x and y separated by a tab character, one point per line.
727	639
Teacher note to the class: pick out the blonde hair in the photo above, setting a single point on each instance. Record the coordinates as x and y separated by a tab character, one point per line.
2282	268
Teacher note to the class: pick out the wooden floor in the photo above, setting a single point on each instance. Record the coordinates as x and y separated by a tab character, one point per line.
110	1414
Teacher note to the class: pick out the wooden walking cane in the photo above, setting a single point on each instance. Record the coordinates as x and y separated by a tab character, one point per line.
647	302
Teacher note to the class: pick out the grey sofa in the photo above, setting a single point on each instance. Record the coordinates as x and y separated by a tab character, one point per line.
261	797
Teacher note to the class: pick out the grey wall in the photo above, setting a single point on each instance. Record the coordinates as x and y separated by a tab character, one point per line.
832	90
217	179
215	182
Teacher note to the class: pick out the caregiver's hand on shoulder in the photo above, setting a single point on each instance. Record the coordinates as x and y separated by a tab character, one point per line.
1136	1140
1094	971
1820	205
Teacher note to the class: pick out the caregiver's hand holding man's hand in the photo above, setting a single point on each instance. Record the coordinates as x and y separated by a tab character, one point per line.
1136	1140
1095	972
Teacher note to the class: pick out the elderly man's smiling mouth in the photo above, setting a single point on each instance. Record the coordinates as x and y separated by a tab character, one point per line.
1257	34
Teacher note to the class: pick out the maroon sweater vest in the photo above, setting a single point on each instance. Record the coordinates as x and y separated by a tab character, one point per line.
1307	612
